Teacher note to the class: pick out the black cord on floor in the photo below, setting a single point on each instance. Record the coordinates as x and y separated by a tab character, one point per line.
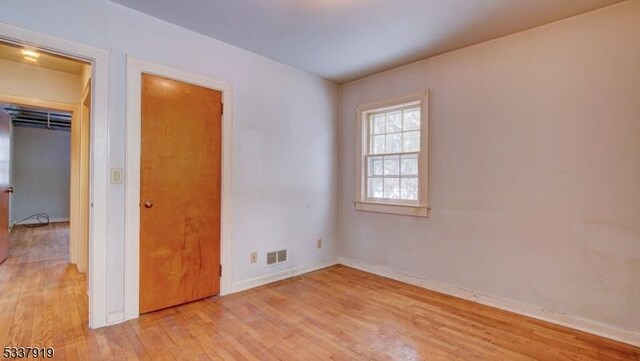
42	218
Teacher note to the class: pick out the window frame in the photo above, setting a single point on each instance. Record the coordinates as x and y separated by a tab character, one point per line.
363	202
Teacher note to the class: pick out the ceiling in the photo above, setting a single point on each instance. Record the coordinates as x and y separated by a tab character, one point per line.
342	40
46	60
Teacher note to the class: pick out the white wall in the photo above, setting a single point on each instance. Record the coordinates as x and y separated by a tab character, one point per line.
40	173
285	173
30	81
535	169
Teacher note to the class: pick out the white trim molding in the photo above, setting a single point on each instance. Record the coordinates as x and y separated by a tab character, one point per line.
279	276
99	59
362	202
135	68
575	322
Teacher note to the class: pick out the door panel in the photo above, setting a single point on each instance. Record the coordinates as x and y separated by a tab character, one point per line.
180	183
5	189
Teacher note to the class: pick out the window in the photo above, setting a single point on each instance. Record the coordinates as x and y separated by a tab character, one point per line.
392	156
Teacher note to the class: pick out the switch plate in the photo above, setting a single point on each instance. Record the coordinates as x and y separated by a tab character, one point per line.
254	257
319	243
116	175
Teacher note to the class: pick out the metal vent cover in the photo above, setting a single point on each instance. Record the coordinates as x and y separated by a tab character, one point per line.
272	258
276	257
282	255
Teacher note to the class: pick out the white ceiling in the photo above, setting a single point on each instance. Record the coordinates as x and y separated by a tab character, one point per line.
342	40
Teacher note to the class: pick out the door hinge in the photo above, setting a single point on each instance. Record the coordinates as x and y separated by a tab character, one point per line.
221	108
220	270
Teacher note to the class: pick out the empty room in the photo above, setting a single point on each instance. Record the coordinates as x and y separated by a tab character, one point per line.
320	180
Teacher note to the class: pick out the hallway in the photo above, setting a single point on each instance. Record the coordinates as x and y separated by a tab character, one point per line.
39	286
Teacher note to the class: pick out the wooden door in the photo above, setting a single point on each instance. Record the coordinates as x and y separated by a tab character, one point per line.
180	198
5	187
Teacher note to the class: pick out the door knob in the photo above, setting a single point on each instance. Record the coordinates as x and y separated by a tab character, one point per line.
148	204
9	190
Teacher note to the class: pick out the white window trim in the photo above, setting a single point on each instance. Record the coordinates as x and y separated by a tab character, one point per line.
362	203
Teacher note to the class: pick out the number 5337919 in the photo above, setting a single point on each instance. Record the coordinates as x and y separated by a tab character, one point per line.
27	352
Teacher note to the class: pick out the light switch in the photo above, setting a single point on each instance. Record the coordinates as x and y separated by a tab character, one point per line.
116	175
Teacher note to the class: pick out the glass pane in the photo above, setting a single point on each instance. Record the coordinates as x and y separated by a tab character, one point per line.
409	188
411	142
392	188
394	122
411	119
377	124
375	166
409	164
394	143
392	165
374	188
377	144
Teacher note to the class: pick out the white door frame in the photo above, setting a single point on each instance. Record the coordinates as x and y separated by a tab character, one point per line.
135	68
99	150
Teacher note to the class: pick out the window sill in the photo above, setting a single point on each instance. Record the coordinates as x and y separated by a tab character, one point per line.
393	208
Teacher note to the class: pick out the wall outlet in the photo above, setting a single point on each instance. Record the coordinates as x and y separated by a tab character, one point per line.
254	257
319	243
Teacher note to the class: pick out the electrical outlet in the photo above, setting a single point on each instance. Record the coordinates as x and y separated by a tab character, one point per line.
319	243
254	257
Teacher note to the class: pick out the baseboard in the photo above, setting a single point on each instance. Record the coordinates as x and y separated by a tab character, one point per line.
278	276
115	317
581	324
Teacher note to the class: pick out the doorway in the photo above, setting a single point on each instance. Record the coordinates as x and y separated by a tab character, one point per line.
42	98
99	314
42	92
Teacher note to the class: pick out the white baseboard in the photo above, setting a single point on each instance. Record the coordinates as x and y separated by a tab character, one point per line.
115	317
278	276
614	333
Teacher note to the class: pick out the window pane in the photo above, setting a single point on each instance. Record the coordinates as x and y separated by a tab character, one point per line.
409	188
377	124
375	166
374	188
392	188
394	122
392	165
394	143
411	142
377	144
409	165
411	119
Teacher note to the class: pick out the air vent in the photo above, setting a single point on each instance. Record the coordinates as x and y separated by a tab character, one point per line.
282	255
272	257
276	257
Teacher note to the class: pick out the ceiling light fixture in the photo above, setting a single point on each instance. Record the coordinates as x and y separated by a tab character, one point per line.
30	55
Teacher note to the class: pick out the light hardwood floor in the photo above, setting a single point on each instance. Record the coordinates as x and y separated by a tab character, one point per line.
334	314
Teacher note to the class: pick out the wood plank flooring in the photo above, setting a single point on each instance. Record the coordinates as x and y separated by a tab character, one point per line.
334	314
